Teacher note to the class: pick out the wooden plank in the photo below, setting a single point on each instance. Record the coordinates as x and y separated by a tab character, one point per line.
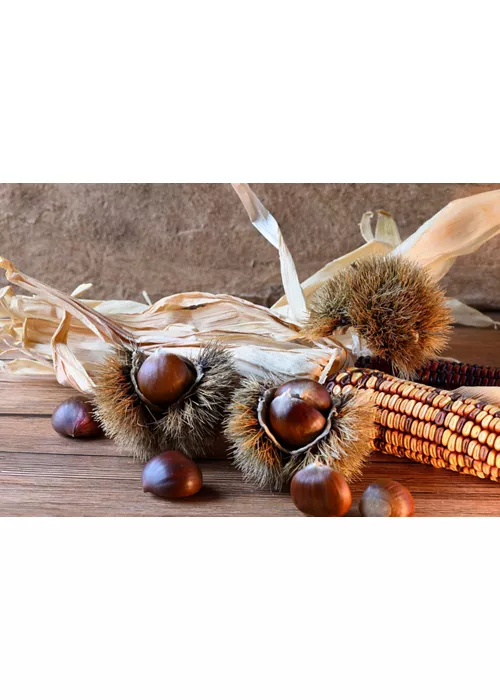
87	485
30	396
34	434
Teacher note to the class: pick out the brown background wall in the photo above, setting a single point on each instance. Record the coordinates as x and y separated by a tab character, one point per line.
182	237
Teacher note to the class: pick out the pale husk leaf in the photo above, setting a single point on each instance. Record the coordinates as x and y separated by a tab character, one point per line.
459	229
267	225
464	315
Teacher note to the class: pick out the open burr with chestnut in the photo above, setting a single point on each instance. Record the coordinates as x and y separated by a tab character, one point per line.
277	427
152	403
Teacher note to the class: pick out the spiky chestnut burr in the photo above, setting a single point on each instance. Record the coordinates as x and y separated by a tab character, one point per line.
269	460
188	424
392	303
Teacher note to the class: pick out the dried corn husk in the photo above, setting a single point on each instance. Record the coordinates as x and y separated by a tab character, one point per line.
459	229
464	315
53	332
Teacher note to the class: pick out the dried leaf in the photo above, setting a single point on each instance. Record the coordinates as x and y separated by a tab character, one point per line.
386	237
104	328
387	230
459	229
267	225
365	226
464	315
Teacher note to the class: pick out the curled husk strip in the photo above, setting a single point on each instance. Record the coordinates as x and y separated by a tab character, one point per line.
343	445
189	425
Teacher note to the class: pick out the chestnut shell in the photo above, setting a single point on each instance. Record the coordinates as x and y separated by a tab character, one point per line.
386	499
310	391
163	378
74	418
294	422
320	491
172	475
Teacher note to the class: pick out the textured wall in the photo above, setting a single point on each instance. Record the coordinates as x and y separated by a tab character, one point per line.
180	237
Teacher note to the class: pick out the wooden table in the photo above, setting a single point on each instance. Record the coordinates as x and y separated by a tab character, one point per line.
42	473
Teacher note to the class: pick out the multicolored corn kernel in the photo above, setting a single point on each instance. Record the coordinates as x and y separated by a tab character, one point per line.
428	425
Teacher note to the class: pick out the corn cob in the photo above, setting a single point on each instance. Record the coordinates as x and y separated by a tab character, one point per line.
428	425
441	373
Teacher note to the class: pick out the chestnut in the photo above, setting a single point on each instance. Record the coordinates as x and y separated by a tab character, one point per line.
313	393
74	418
320	491
163	378
172	475
386	499
293	421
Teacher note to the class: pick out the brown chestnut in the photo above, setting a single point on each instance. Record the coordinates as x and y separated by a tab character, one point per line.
74	418
294	422
313	393
386	499
172	475
163	378
320	491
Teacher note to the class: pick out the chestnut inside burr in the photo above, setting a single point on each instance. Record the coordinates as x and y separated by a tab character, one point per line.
296	415
163	380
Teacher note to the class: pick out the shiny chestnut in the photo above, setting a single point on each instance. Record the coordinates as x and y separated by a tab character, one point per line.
74	418
320	491
294	422
313	393
386	499
163	378
172	475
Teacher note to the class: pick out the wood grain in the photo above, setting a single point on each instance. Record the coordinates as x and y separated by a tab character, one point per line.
44	474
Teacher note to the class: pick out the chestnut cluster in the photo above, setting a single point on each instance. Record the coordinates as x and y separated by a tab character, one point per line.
320	491
298	412
275	428
161	380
